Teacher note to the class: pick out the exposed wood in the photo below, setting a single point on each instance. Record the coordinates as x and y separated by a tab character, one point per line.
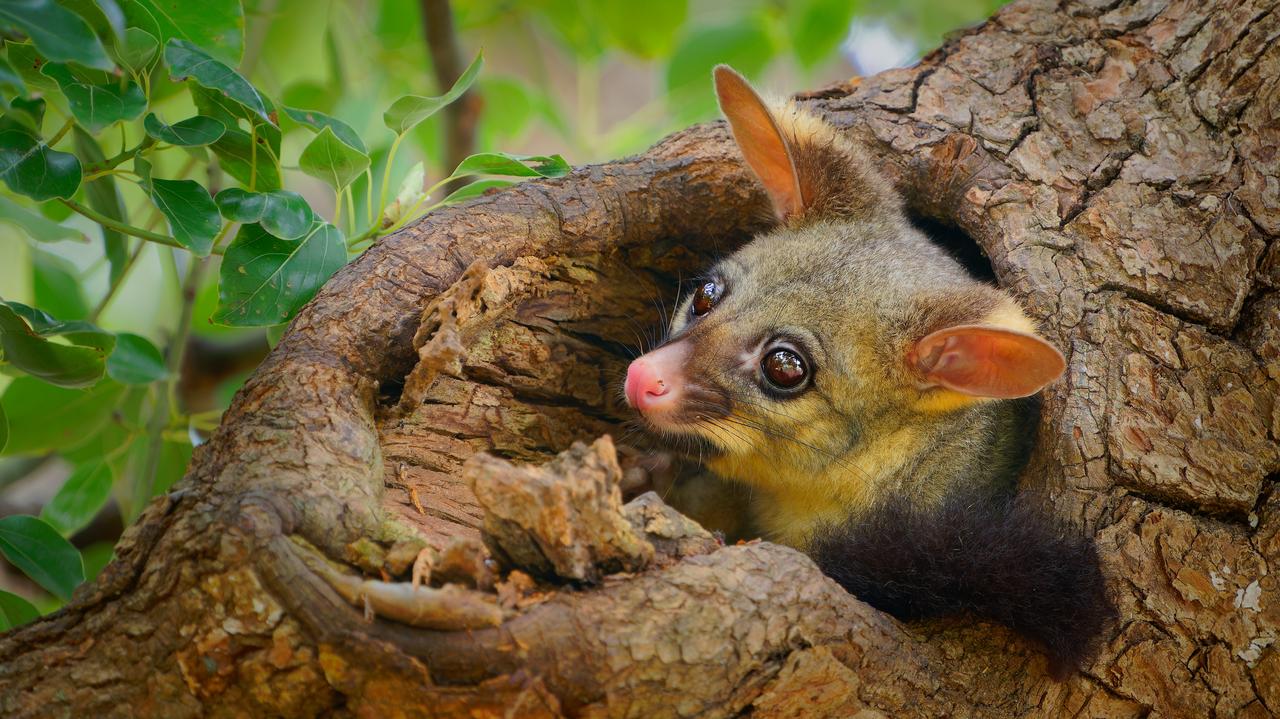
1117	163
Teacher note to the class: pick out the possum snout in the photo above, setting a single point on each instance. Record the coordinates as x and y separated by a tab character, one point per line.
655	381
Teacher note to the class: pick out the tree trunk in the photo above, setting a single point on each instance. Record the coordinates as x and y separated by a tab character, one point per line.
1117	163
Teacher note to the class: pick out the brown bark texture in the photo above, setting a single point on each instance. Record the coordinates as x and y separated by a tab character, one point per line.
1116	161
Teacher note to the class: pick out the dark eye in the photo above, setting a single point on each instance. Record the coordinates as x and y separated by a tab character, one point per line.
785	369
705	298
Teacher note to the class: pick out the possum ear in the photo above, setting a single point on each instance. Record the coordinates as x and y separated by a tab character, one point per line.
986	361
757	134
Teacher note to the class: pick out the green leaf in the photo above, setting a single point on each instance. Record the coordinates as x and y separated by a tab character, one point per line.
193	217
265	280
29	167
258	169
103	196
283	213
502	163
746	46
97	100
475	189
80	499
174	458
318	121
275	333
37	226
59	34
135	361
240	205
15	611
191	132
28	112
189	61
114	16
96	557
645	29
38	319
411	192
75	332
103	16
413	185
332	160
57	286
205	305
4	429
111	440
406	112
235	149
138	53
817	27
215	25
46	324
36	548
213	103
43	417
10	79
27	62
28	348
142	166
133	494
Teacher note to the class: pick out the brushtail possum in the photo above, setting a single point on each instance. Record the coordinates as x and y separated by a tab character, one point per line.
876	400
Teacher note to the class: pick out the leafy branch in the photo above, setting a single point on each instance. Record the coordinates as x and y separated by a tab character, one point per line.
120	226
105	400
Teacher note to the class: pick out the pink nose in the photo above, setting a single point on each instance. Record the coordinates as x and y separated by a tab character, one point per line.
654	381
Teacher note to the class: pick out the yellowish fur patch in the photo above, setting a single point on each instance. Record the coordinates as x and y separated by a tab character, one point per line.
941	399
802	128
792	503
1010	316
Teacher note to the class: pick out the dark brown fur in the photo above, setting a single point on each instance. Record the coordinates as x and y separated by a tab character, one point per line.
998	558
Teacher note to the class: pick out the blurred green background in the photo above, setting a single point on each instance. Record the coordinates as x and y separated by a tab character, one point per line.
587	80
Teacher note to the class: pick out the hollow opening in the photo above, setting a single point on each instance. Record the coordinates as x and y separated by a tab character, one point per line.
390	389
958	244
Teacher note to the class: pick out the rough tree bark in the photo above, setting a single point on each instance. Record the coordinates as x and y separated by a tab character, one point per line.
1116	161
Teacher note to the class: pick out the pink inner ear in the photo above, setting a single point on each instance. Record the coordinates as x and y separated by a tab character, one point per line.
986	361
760	140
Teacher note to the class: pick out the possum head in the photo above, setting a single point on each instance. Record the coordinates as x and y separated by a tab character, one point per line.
827	346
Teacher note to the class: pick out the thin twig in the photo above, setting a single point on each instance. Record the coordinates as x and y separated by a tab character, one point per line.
120	226
62	132
112	162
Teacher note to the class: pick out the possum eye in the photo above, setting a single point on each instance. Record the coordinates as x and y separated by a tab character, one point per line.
705	298
784	369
